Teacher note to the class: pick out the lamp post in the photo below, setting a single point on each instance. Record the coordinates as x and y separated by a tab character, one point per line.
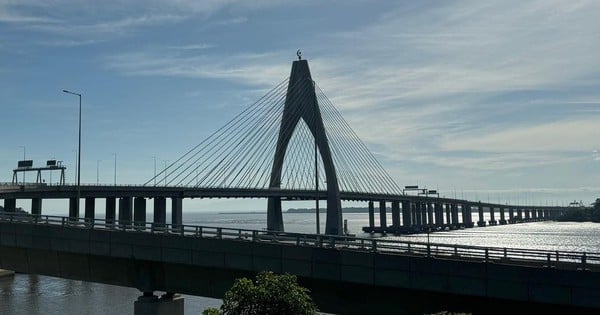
24	151
115	175
98	171
78	151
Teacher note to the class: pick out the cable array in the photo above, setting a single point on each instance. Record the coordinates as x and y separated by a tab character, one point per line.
240	154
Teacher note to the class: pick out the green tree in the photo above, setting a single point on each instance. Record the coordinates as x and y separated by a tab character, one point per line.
269	294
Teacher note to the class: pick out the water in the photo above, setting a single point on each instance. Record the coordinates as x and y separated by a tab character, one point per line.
31	294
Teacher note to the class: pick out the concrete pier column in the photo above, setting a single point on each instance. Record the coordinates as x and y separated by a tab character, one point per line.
10	204
439	214
139	213
527	215
176	212
418	216
406	214
469	211
73	209
382	215
502	216
511	215
423	210
430	217
90	209
519	214
493	216
111	210
481	221
371	214
160	212
448	215
125	207
540	215
396	214
534	214
547	214
36	206
454	212
167	304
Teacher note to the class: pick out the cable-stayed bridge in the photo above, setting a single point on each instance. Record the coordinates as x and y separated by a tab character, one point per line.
291	144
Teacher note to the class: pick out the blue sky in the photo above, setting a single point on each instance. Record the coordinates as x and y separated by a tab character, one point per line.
482	99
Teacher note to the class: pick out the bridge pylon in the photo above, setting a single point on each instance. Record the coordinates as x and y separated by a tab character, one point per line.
301	104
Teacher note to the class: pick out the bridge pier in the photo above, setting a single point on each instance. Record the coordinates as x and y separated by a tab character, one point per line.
430	218
454	211
492	216
527	216
540	214
502	216
90	209
10	204
533	215
382	216
125	207
167	304
481	221
547	214
111	210
406	214
160	213
423	212
519	215
439	215
73	209
371	215
36	206
176	212
396	215
139	213
448	217
418	217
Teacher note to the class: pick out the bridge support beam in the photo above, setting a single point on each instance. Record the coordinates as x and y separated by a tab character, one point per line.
519	214
167	304
139	213
534	214
423	212
430	217
36	206
10	204
454	211
527	216
90	209
371	214
382	215
396	215
493	216
547	214
111	210
511	215
502	216
469	215
481	221
540	214
125	207
160	213
73	209
439	214
448	216
406	214
418	214
176	212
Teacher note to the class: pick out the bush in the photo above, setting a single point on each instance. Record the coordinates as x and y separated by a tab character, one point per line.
269	294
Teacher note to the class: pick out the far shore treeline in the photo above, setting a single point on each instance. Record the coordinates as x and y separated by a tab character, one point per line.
583	214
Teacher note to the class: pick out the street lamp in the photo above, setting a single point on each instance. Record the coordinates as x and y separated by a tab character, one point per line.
98	171
115	175
78	151
22	146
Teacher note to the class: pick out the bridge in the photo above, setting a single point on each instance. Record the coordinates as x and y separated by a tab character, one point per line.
292	144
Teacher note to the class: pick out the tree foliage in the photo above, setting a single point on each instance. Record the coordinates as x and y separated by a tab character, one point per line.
268	294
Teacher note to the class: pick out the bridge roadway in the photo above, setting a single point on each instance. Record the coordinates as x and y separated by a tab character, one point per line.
410	214
345	274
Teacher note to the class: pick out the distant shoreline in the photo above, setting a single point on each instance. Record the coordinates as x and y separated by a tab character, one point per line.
302	210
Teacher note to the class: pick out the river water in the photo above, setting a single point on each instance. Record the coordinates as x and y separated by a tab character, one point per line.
32	294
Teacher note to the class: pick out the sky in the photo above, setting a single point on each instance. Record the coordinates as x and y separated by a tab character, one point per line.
484	100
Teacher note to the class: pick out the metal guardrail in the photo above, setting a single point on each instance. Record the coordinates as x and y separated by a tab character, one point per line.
512	256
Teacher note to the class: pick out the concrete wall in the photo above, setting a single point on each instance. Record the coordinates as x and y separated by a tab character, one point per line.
207	267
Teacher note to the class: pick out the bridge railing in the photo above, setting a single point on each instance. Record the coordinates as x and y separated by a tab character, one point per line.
534	257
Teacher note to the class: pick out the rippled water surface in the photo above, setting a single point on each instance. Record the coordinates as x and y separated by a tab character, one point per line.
31	294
